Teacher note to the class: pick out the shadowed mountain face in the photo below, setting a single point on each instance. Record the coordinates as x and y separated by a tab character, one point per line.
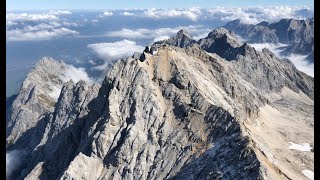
298	34
207	109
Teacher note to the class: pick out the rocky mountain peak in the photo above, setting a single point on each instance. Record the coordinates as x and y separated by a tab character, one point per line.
219	32
183	33
263	23
38	94
182	39
212	109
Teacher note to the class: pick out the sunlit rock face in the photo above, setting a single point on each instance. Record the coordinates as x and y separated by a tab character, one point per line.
188	111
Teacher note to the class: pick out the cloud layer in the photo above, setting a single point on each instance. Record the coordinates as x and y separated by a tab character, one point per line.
36	35
192	13
246	15
159	34
250	15
253	15
38	26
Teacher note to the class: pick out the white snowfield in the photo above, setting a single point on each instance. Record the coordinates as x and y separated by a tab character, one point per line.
300	147
309	174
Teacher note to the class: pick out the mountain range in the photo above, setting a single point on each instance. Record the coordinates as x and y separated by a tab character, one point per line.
298	35
215	108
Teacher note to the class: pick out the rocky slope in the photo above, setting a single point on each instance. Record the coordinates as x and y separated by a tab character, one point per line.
297	34
197	112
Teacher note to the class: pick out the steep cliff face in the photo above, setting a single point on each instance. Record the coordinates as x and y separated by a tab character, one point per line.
37	97
182	113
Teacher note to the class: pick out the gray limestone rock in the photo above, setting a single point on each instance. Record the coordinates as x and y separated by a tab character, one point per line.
184	113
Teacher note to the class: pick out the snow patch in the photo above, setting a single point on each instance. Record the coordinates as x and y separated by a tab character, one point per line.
302	147
55	91
309	174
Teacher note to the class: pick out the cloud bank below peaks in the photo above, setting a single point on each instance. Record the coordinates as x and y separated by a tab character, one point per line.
45	16
31	34
198	31
297	59
249	15
38	26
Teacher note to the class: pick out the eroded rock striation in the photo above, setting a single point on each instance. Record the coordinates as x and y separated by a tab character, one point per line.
191	111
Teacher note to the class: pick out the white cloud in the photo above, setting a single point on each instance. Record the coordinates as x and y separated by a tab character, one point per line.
271	46
158	34
115	50
42	26
59	12
30	17
47	16
107	13
92	62
127	13
76	74
70	24
192	13
297	59
94	21
36	34
302	64
37	26
71	73
249	15
13	161
253	15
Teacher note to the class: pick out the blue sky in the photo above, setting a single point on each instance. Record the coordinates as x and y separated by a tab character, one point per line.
120	4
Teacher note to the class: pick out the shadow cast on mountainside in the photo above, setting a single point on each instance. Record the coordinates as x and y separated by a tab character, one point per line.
9	102
58	152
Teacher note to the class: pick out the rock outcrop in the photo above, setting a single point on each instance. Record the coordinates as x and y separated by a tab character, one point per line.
185	113
182	39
